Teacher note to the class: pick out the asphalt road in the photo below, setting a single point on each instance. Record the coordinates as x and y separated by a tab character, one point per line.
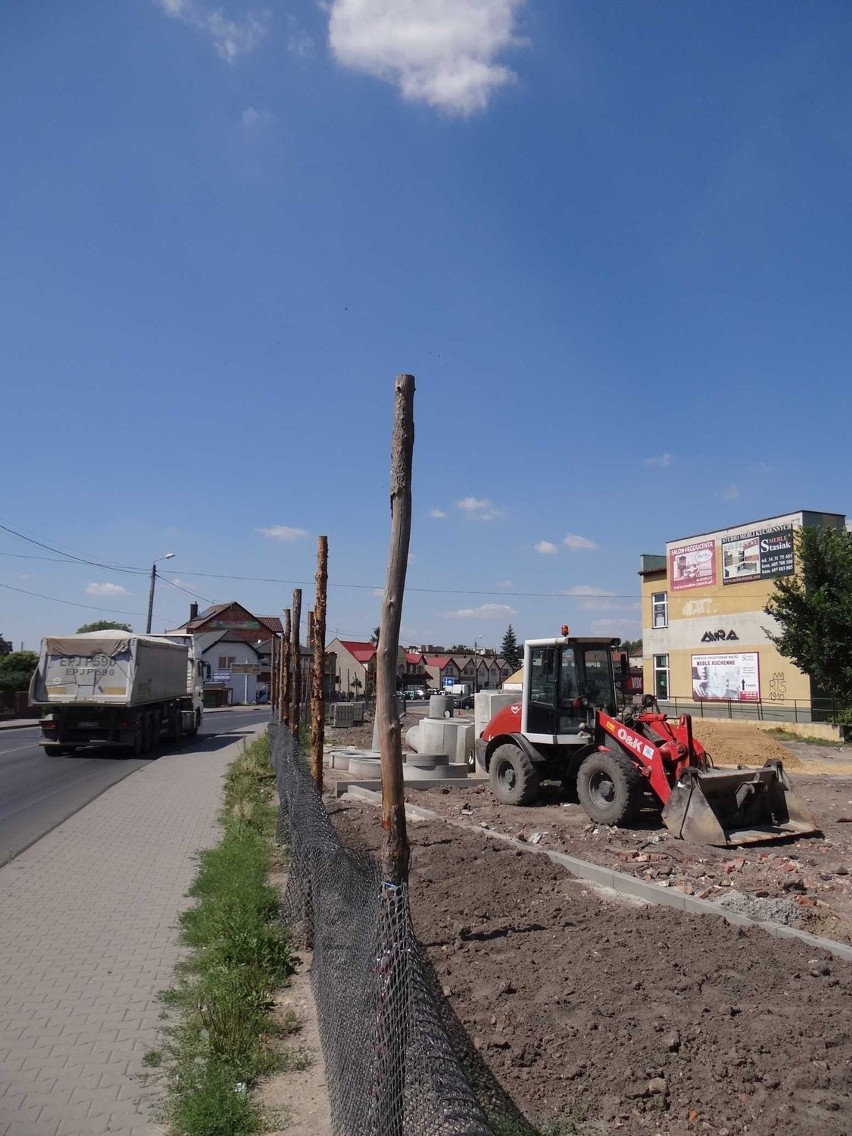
37	793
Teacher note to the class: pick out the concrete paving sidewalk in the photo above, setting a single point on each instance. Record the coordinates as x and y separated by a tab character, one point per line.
89	937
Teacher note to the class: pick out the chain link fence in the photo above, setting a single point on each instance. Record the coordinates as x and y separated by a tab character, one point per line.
391	1070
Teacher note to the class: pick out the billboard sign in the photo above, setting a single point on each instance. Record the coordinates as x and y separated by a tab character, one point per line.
692	566
221	676
246	668
726	678
760	554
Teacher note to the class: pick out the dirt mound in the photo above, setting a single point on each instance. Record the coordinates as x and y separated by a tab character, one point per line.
736	743
620	1019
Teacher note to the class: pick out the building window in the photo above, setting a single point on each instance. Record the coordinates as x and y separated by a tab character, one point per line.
660	609
661	677
225	662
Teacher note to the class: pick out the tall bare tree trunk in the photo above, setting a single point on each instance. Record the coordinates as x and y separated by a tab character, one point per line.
295	663
318	671
284	698
395	848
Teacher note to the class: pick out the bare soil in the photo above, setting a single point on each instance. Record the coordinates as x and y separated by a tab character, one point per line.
803	883
613	1017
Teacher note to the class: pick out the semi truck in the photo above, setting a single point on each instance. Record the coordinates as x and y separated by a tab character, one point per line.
114	688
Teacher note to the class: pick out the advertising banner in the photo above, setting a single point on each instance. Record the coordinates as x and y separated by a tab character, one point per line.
758	555
726	678
692	566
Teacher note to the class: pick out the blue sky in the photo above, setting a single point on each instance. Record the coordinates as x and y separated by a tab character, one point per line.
611	241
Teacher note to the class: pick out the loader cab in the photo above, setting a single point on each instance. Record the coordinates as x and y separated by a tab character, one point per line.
563	679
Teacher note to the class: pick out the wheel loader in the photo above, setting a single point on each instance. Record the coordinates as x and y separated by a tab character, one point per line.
566	728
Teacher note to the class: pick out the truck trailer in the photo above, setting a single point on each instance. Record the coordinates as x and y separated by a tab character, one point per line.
114	688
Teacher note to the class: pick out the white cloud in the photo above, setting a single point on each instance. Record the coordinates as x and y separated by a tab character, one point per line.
106	590
478	509
438	514
253	119
440	52
282	532
731	493
660	461
578	543
484	611
230	38
545	548
505	584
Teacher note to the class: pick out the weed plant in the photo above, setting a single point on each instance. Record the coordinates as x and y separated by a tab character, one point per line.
239	957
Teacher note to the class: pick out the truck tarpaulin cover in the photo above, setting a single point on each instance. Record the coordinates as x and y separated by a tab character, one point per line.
79	646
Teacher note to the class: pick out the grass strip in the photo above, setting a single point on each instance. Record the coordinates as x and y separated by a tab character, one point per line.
225	1037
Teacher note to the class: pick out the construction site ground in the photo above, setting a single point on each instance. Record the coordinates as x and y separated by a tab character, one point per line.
621	1017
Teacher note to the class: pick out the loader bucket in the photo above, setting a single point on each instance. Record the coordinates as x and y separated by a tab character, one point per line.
737	806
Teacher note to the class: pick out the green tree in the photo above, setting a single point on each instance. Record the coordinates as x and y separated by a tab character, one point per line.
510	651
6	648
631	646
814	610
16	670
374	638
103	625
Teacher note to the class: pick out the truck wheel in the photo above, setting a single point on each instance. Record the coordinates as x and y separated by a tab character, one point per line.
194	729
609	787
513	776
53	751
138	747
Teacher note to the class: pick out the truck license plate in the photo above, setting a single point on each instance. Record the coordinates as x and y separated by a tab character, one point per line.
88	725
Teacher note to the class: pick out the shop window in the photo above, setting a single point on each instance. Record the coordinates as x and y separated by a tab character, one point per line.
661	677
660	609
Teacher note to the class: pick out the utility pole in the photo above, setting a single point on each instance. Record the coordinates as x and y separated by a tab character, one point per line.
168	556
318	670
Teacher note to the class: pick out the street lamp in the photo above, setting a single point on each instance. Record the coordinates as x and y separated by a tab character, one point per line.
476	640
168	556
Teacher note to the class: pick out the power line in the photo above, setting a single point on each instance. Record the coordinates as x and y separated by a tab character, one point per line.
72	603
70	555
180	588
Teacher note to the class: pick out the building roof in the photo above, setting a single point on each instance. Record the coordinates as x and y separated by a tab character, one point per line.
439	661
361	652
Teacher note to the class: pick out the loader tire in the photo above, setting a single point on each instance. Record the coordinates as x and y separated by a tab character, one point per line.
514	778
610	787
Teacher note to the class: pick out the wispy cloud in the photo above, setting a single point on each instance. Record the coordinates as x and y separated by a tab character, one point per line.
545	547
578	543
478	509
230	38
731	493
299	43
625	628
660	461
592	597
106	590
438	514
444	53
505	584
484	611
254	119
282	532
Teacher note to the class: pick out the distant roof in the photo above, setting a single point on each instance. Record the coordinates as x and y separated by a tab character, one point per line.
439	661
362	652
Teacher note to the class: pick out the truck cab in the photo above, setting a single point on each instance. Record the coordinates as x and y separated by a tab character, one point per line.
566	681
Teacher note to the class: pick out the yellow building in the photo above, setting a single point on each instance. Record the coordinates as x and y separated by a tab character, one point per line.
705	642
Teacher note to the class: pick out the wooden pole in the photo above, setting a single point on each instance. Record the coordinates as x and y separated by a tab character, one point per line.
273	675
284	673
395	849
318	671
295	663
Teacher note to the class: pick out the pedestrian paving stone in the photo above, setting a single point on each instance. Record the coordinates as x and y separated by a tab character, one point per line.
89	938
